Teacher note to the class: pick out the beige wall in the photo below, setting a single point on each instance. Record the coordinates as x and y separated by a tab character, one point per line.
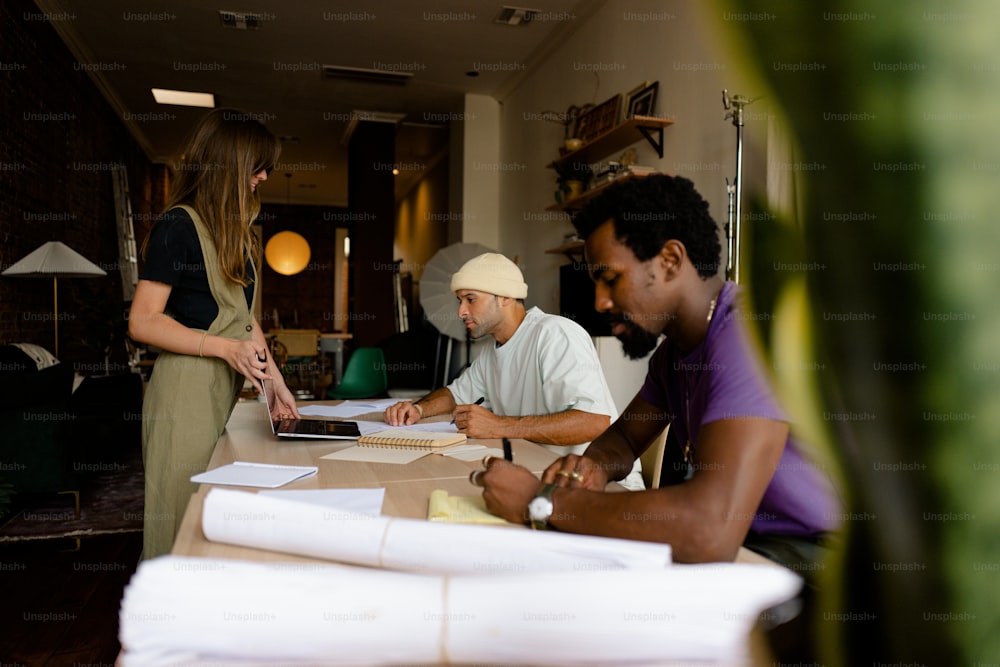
624	43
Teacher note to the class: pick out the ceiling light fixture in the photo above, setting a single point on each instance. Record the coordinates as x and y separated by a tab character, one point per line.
240	20
515	15
183	98
366	75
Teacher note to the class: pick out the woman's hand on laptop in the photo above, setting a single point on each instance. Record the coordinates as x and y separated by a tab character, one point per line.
283	406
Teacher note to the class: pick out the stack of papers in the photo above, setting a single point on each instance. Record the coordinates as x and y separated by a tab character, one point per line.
204	611
264	475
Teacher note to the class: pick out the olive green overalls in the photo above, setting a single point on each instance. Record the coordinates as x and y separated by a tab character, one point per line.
186	406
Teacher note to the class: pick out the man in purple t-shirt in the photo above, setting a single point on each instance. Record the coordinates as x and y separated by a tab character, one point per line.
653	252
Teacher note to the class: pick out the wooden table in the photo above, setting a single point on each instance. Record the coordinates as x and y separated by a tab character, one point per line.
408	487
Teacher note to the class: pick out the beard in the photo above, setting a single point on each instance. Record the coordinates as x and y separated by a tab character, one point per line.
636	341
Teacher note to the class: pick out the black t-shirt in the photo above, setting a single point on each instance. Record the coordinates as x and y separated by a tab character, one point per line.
174	257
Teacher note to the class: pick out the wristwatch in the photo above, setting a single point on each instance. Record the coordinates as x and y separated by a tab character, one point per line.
540	508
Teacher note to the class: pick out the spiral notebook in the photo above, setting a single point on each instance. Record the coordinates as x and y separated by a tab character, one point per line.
411	439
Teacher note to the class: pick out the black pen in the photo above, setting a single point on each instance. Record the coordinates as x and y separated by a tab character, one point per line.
508	453
478	402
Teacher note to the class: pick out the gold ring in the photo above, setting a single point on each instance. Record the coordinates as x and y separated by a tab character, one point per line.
572	474
487	459
474	477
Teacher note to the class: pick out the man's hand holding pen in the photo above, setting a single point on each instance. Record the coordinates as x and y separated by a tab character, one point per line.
476	421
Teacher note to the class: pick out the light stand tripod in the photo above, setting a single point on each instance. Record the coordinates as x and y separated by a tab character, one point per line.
734	105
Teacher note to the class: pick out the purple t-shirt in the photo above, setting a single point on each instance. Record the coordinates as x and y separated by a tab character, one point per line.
722	379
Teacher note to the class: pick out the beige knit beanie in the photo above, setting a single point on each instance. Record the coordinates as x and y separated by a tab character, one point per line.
491	273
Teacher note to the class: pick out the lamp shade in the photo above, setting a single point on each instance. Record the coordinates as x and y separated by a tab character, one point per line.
287	253
51	260
54	259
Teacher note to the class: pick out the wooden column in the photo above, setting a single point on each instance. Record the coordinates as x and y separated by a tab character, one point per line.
371	199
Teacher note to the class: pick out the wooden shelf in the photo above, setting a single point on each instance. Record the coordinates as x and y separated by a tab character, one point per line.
578	202
568	249
619	137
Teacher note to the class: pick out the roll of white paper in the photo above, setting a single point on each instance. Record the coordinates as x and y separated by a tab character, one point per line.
274	524
196	611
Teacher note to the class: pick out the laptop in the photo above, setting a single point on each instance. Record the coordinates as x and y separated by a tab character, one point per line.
329	429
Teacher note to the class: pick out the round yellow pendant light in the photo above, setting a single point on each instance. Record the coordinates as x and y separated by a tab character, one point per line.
287	253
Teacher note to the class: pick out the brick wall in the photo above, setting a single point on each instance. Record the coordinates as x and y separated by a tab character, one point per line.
58	141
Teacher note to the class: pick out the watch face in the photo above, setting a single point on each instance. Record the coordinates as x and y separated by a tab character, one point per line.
540	509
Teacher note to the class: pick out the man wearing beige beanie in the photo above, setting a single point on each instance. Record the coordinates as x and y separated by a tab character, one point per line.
540	381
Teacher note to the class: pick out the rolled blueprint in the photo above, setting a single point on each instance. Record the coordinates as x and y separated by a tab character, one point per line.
276	524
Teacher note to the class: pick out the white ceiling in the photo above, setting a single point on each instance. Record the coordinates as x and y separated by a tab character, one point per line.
130	46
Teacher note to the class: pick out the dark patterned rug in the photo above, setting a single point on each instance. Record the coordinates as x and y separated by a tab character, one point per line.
111	501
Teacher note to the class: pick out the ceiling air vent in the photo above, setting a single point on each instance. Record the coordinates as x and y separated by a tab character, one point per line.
366	75
240	20
515	15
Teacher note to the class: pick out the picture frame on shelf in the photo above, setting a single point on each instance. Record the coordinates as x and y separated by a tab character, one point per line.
628	96
642	101
599	119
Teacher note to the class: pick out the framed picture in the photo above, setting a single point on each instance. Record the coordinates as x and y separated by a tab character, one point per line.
598	120
642	101
629	95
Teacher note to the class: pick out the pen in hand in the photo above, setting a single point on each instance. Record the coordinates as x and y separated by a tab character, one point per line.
479	401
508	453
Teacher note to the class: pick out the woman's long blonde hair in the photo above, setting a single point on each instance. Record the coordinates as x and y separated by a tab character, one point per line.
213	176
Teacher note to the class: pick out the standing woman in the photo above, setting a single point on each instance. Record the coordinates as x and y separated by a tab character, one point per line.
194	302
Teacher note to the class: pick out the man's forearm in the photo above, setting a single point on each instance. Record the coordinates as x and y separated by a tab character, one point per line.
572	427
439	401
612	452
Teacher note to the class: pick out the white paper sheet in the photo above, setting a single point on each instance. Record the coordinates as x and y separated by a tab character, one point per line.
411	544
350	408
244	473
471	452
196	611
360	501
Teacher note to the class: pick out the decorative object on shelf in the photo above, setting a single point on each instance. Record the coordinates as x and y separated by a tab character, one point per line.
568	119
628	157
599	120
620	137
628	96
642	102
54	259
573	178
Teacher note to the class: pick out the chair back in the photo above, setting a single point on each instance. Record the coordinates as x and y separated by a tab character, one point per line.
652	460
364	376
298	342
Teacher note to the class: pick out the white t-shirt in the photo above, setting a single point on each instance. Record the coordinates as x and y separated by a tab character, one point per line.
548	366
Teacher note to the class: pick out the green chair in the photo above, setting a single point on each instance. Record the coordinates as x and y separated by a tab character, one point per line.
364	376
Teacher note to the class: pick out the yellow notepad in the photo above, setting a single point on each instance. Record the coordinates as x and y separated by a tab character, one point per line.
459	509
401	437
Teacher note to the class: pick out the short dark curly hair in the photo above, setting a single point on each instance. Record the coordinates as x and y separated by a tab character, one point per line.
649	211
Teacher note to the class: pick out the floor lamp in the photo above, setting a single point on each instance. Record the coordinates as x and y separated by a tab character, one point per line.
734	106
54	259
